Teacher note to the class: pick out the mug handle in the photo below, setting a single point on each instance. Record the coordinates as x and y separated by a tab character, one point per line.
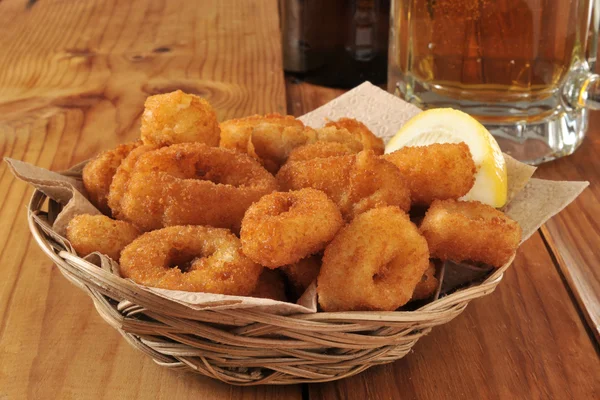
582	87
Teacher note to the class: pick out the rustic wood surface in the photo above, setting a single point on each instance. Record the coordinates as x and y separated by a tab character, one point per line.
518	351
573	236
73	78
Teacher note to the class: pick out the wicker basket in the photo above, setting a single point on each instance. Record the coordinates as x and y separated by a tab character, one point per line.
244	347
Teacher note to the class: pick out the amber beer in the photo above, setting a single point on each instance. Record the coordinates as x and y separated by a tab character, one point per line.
499	60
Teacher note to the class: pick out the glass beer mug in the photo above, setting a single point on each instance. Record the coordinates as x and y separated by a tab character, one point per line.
521	67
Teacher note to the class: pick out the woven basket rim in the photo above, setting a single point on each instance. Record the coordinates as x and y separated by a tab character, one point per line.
107	280
248	346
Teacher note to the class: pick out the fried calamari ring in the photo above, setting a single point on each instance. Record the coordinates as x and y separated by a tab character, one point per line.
282	228
356	183
121	178
330	175
269	138
333	134
427	285
301	274
270	286
360	132
470	231
272	137
98	174
374	183
374	263
179	117
320	150
89	233
438	171
192	184
190	258
236	133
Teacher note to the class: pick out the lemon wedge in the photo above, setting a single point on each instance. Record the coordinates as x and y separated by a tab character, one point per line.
446	125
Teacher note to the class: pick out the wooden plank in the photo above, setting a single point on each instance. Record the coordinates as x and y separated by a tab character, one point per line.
304	97
524	339
73	79
574	234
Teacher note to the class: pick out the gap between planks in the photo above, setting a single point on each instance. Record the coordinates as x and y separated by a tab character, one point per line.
303	97
591	321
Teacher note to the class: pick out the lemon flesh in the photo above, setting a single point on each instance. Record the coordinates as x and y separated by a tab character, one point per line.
446	125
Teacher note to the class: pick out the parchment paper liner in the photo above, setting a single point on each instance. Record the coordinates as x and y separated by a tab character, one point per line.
531	202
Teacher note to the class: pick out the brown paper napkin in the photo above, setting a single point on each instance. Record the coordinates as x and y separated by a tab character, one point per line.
531	204
66	190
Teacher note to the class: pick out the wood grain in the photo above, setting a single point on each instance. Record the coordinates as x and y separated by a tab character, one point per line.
303	97
574	234
73	79
526	339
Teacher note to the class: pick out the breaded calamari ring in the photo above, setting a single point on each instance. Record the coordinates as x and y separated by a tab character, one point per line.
470	231
355	183
374	263
190	258
121	177
89	233
302	273
192	184
236	133
98	174
270	286
437	171
427	285
178	117
361	132
320	150
284	227
269	138
272	137
374	183
333	134
330	175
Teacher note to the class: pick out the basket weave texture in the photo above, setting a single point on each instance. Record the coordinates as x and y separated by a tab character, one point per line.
246	347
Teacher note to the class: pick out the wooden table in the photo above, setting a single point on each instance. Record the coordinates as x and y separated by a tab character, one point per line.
73	78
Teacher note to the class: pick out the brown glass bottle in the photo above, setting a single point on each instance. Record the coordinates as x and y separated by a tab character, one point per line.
339	43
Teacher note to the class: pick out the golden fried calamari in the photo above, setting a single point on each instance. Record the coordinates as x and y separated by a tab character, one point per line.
191	258
90	233
269	138
332	134
189	177
178	117
374	263
427	285
283	227
272	137
356	183
361	133
98	174
191	184
121	179
320	150
470	231
437	171
330	175
270	286
302	273
375	183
